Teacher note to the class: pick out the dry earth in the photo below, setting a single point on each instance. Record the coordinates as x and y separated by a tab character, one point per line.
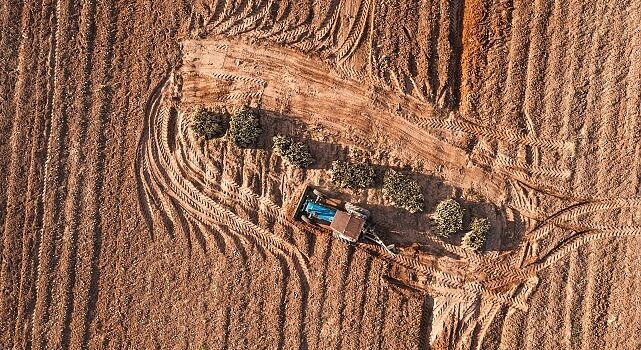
122	229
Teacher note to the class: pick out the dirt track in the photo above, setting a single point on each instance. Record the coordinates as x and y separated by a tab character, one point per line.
122	230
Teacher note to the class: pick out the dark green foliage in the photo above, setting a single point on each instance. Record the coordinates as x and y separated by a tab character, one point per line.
244	128
403	191
448	217
210	124
475	238
295	153
352	175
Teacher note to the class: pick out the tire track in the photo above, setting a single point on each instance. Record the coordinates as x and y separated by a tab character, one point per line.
574	94
474	57
326	25
450	54
345	272
572	243
322	281
608	132
64	294
355	32
495	80
460	124
558	64
50	234
196	202
8	81
572	300
34	186
245	8
382	299
427	32
94	194
48	95
282	302
251	23
140	163
359	303
368	322
633	100
537	63
484	323
573	212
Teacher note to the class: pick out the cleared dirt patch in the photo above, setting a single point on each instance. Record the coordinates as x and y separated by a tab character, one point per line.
122	229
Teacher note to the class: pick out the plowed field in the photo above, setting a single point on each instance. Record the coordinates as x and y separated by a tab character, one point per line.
121	228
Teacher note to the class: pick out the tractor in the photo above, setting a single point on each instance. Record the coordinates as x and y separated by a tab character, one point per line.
347	222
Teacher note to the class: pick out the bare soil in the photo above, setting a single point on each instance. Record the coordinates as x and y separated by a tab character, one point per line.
121	228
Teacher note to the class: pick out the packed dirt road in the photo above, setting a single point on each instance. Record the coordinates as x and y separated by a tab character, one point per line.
122	229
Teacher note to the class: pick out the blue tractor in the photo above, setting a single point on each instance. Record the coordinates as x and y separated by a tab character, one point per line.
346	221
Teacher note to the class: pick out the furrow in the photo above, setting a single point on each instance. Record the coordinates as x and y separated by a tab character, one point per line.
52	229
94	194
15	205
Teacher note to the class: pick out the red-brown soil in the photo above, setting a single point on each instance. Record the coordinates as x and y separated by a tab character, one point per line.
120	228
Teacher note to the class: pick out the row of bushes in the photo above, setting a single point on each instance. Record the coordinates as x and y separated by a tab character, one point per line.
243	128
401	190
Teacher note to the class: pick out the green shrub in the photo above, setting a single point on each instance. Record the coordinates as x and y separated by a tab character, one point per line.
448	216
295	153
210	124
475	238
244	128
352	175
402	191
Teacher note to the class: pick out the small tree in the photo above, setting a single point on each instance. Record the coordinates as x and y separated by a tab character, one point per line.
210	124
403	191
295	153
448	217
244	128
352	175
475	238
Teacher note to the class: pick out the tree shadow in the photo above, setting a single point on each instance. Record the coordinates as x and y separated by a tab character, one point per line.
507	226
274	123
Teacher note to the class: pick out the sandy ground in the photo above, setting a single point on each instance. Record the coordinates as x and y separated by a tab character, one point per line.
122	229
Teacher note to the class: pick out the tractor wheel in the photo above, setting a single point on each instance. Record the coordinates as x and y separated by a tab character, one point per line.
356	210
319	194
306	219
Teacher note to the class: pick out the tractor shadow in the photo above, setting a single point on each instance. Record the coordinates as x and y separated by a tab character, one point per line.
400	227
